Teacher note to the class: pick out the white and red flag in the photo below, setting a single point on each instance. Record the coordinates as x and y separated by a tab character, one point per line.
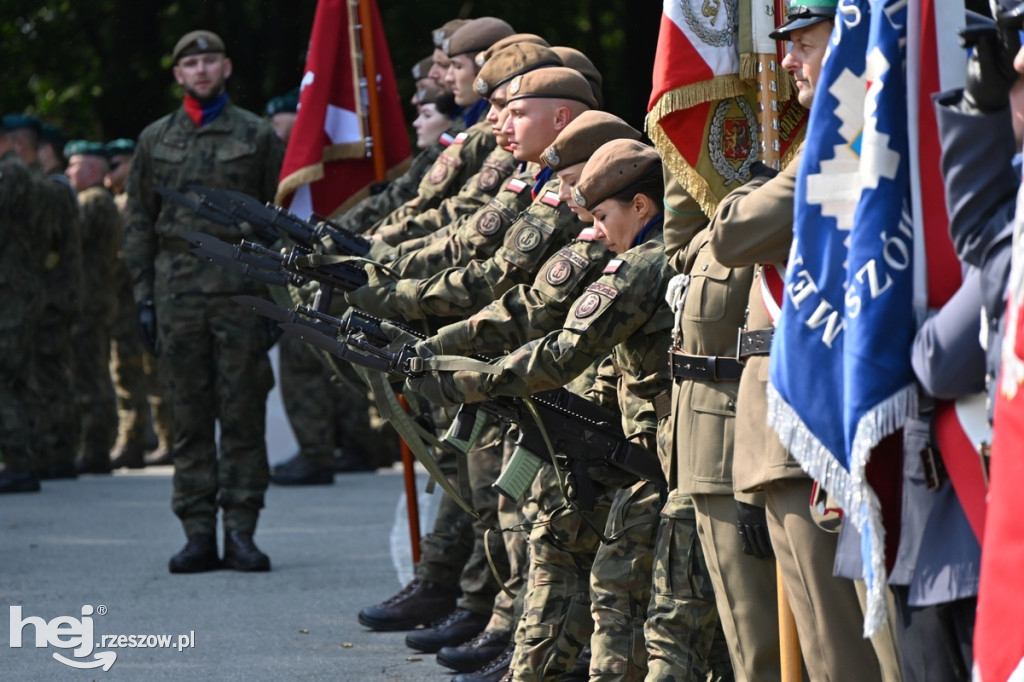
336	150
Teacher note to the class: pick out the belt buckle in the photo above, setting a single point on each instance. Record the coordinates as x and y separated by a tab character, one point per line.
712	364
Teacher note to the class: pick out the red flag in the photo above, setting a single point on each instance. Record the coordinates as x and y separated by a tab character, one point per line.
702	115
329	163
998	635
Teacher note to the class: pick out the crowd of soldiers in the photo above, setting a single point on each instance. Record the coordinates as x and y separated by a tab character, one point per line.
539	232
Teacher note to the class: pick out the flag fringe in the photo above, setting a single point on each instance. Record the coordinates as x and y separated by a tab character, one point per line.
850	488
303	176
719	87
347	150
695	185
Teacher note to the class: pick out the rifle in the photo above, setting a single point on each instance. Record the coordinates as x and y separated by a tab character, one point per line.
295	266
267	221
581	434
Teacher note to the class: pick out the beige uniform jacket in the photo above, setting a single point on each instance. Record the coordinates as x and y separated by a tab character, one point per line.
753	225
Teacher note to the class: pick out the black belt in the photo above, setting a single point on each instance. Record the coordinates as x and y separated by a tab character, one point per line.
757	342
705	367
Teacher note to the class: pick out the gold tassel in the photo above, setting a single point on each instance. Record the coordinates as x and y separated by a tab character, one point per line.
720	87
695	185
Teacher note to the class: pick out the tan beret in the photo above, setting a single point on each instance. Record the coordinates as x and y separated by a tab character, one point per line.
476	36
421	69
614	167
510	62
428	94
446	31
555	82
578	141
575	59
513	39
197	42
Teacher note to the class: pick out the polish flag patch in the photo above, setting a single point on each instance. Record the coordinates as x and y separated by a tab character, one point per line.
461	137
586	235
516	185
446	139
550	198
613	266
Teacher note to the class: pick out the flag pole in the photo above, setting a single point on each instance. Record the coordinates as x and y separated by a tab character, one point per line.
375	146
411	500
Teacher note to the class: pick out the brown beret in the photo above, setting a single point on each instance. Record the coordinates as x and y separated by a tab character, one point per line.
421	69
578	141
476	36
555	82
513	39
575	59
197	42
446	31
510	62
428	94
614	167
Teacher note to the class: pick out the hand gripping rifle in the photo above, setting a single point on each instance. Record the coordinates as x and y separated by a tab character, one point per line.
578	433
267	222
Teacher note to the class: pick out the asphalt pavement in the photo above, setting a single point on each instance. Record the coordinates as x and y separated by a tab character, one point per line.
104	541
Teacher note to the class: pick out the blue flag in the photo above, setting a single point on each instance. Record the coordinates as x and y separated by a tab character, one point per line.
841	378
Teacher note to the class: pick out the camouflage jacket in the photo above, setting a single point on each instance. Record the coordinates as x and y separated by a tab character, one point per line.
24	202
538	233
472	237
480	189
101	244
373	208
524	313
456	165
624	313
237	151
62	223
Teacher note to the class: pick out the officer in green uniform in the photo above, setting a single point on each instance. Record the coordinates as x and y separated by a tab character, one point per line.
26	214
88	164
212	353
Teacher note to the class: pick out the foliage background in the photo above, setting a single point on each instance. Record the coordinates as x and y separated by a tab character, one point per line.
100	69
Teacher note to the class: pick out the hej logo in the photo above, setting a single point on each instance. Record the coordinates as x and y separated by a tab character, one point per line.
64	632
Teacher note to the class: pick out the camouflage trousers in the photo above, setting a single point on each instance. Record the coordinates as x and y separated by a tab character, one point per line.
140	401
684	636
17	400
556	622
55	422
213	356
94	390
620	585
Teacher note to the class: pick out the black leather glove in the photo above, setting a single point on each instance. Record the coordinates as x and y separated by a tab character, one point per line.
753	527
147	325
990	72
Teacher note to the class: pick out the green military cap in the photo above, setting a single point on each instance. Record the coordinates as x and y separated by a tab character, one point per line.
446	31
513	39
476	36
85	148
553	82
13	122
52	135
508	63
286	103
197	42
578	141
804	13
421	69
575	59
122	145
614	166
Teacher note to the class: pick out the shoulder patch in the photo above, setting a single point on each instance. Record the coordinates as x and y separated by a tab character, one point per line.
613	266
559	272
438	173
550	198
461	137
528	238
489	179
516	185
588	305
585	235
603	289
446	139
488	223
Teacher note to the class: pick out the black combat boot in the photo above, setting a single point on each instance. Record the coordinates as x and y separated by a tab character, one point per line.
242	554
495	671
472	655
418	603
457	627
300	470
199	555
127	457
18	482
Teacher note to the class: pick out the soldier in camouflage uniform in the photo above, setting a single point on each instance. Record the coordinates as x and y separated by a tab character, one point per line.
26	200
624	312
101	241
140	403
212	352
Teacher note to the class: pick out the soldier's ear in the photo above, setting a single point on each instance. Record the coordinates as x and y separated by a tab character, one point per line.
227	68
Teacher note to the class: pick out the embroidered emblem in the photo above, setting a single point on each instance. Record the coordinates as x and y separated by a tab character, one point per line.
733	141
588	306
438	173
559	272
528	239
489	179
551	156
579	197
514	85
488	223
481	86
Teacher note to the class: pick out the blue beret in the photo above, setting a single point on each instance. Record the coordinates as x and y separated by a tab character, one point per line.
84	147
286	103
19	121
121	145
